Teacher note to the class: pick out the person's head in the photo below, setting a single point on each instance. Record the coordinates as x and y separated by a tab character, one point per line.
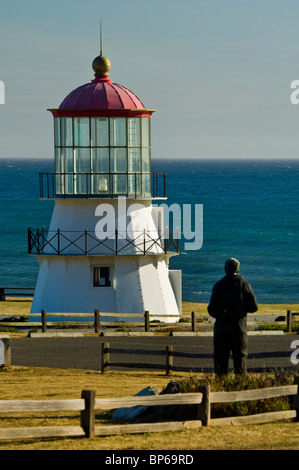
232	266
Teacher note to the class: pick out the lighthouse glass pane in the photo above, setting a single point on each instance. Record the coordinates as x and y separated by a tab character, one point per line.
134	132
134	182
66	128
145	132
119	184
146	185
99	132
145	160
68	168
57	131
68	157
82	160
58	187
82	169
134	160
100	160
81	132
118	132
57	160
118	160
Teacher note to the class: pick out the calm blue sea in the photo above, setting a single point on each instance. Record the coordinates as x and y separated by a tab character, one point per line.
250	212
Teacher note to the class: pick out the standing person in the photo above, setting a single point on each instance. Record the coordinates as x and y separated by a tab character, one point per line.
232	298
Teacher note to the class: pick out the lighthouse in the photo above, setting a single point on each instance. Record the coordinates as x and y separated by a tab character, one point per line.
107	246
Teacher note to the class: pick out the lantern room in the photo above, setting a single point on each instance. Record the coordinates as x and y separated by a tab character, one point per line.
102	142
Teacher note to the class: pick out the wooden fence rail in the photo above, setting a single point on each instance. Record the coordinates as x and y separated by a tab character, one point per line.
105	322
15	292
88	404
107	351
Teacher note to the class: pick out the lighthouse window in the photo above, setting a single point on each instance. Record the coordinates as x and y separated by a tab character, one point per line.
146	184
81	132
145	132
118	132
68	159
119	183
134	183
134	132
57	131
101	276
134	160
66	132
100	160
145	160
82	160
99	132
118	160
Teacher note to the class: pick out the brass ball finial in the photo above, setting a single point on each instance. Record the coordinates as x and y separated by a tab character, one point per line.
101	65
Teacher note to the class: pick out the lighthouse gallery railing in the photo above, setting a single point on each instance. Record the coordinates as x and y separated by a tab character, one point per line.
101	185
41	241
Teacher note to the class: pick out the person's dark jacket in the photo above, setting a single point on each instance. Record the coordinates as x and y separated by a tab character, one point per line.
232	298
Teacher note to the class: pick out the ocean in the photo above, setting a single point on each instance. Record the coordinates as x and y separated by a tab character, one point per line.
250	212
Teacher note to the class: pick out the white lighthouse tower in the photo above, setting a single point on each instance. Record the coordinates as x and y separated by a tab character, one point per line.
106	247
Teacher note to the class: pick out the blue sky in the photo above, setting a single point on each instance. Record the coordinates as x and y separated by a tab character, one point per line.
218	72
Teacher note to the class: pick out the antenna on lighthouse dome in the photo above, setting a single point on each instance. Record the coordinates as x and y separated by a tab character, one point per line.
101	64
101	39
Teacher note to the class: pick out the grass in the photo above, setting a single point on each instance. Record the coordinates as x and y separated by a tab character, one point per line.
22	307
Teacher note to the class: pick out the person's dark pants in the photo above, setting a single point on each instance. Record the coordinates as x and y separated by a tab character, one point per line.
230	336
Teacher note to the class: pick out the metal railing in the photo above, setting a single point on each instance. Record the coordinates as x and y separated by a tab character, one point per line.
102	185
59	242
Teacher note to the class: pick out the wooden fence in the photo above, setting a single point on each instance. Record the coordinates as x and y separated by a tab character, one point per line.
106	362
15	292
291	319
88	404
119	358
143	322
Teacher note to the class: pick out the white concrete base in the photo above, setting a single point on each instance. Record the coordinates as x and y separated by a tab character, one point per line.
138	283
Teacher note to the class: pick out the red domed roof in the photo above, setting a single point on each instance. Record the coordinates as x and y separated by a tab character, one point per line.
101	93
101	97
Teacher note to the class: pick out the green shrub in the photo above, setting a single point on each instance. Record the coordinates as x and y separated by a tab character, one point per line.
250	381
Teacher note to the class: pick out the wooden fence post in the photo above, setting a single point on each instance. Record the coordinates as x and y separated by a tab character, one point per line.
44	321
88	414
296	397
193	319
146	321
204	409
105	358
96	321
5	352
169	360
289	321
2	294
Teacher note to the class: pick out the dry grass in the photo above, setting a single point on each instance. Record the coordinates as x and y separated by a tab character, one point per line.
201	308
21	307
